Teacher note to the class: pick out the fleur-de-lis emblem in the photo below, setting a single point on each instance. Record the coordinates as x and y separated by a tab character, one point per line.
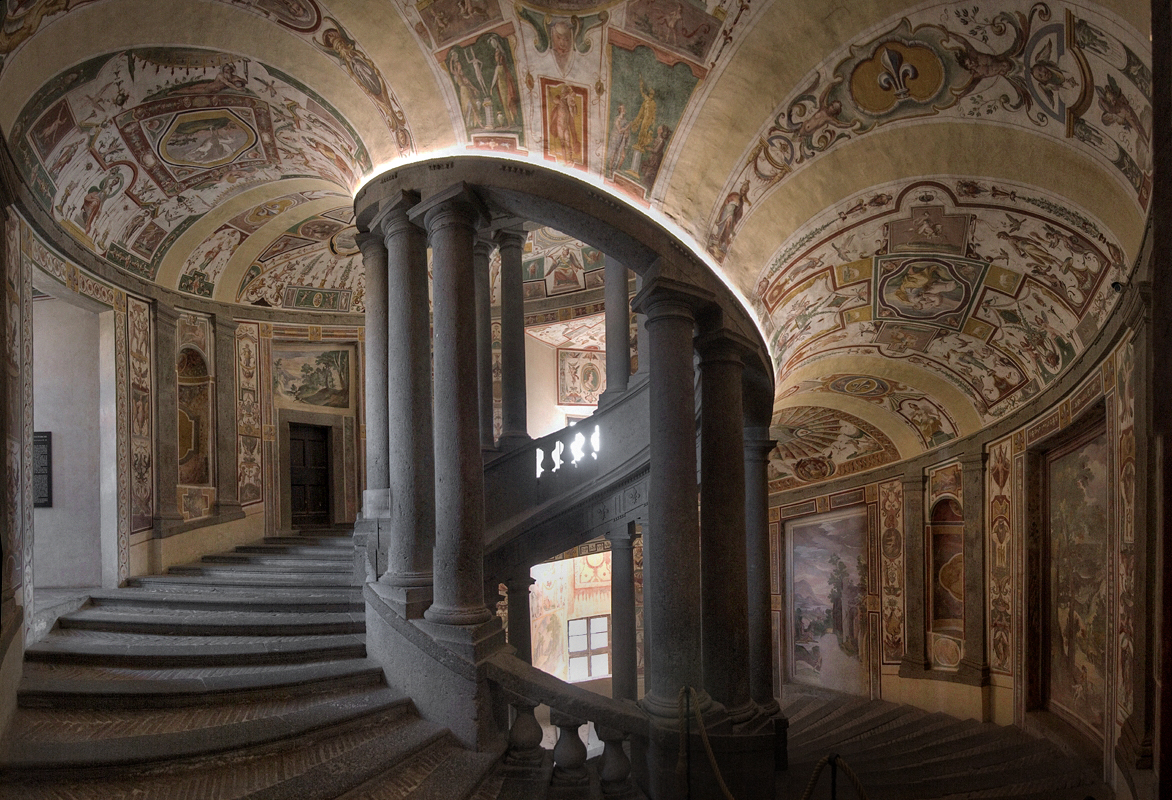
896	73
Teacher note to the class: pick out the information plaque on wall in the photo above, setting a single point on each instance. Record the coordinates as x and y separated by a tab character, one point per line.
42	469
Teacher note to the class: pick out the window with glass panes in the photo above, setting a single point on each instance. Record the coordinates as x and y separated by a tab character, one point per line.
589	648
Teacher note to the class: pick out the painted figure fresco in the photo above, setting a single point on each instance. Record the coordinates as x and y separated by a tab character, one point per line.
581	376
485	79
827	557
1077	601
564	121
652	96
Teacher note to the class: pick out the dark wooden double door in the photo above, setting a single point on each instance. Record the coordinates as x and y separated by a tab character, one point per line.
309	474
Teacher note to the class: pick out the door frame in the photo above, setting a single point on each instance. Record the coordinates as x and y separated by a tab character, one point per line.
334	425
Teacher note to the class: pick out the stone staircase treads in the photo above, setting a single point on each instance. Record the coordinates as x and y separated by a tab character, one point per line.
45	690
283	567
205	583
236	729
189	622
184	651
902	753
311	601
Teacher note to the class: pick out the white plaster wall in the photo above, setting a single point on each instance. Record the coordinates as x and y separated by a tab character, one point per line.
541	389
66	391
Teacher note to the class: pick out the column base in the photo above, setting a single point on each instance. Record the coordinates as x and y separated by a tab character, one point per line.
441	668
377	504
409	602
609	397
512	441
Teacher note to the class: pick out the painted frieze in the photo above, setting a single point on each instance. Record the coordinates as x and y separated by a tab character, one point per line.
1055	70
891	550
581	376
138	320
1000	555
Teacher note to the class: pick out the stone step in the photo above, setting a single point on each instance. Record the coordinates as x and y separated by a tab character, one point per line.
232	599
296	582
442	771
261	565
296	548
147	650
98	691
340	542
337	556
827	714
317	765
834	737
52	739
204	622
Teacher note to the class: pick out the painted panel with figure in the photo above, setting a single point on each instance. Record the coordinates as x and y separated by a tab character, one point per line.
1077	484
828	600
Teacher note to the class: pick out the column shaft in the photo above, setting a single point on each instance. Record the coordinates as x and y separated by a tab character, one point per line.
407	400
459	465
520	632
974	666
758	446
480	260
671	548
624	660
724	579
915	658
618	332
514	413
374	262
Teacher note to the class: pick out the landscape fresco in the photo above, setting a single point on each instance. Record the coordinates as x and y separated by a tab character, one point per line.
312	377
828	559
1078	584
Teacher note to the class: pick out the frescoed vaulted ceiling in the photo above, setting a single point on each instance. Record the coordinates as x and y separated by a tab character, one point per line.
924	205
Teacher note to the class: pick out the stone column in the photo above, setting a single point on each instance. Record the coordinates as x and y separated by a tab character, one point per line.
520	632
452	218
724	577
167	514
481	253
671	548
514	421
974	666
643	355
758	446
407	404
618	333
375	501
915	659
227	481
624	659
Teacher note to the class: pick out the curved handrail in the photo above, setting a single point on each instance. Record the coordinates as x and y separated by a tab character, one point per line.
524	680
519	504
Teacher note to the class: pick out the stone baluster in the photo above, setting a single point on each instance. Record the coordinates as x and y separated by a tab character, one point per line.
524	736
569	754
724	577
452	218
618	333
615	770
407	399
514	414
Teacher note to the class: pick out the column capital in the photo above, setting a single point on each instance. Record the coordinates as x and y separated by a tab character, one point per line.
372	245
165	313
913	480
519	583
393	213
1136	303
459	203
723	344
620	537
758	444
225	325
663	286
514	236
482	247
971	460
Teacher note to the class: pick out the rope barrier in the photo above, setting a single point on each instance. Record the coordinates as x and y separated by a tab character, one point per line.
835	762
686	695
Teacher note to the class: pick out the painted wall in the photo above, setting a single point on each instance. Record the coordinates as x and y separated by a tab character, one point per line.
541	389
67	549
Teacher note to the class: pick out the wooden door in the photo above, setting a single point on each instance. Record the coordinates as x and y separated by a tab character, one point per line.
309	474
